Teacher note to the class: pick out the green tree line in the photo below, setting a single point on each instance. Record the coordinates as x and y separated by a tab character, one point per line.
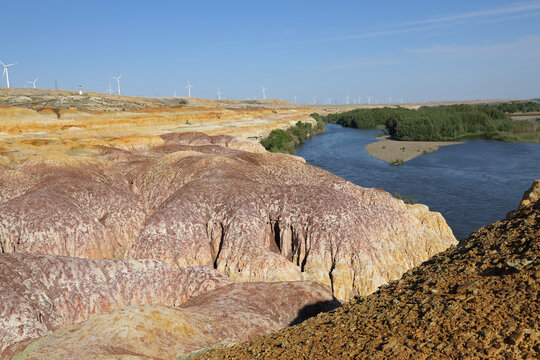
443	122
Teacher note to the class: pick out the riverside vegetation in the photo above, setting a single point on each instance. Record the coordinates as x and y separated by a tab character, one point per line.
438	123
284	141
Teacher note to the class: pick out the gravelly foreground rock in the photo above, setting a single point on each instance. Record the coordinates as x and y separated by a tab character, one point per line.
202	200
477	300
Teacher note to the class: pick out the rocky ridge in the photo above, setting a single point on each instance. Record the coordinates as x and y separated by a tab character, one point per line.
478	300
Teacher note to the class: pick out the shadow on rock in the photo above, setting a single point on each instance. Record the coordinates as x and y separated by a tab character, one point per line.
314	309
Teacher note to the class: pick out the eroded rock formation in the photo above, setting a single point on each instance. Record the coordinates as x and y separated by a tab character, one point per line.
40	293
201	200
475	301
232	313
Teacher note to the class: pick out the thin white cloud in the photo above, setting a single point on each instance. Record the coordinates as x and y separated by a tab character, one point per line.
362	63
380	33
488	13
510	17
525	48
515	11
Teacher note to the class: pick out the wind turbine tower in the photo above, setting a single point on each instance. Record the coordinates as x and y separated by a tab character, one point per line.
294	99
347	99
189	87
369	100
219	93
5	72
118	81
32	82
390	100
264	92
314	100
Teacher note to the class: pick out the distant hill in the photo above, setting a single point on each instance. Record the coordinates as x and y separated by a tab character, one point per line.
90	101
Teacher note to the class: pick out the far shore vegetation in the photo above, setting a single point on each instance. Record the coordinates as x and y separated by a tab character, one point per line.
406	198
284	141
441	123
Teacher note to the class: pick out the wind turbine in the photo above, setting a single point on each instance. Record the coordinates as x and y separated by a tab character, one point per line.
32	82
174	93
359	100
329	101
5	72
219	93
347	99
294	99
188	87
314	100
369	100
109	90
389	99
118	81
264	92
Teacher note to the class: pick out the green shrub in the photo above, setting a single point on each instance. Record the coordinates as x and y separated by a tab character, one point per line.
278	141
285	141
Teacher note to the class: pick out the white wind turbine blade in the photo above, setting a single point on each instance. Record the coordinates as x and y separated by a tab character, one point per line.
11	64
2	63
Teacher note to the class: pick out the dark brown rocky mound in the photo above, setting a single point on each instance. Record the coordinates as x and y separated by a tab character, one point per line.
477	300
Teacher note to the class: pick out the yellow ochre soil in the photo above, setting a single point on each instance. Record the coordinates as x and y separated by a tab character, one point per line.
63	133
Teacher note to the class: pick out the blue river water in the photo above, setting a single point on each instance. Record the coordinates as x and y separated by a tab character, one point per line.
471	184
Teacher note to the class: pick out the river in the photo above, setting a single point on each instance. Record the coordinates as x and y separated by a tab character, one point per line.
471	184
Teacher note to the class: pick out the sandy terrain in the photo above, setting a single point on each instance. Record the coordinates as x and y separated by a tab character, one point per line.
526	117
393	151
62	125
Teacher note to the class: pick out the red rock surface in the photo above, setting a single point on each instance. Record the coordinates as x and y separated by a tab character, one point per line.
475	301
40	293
272	217
202	200
231	313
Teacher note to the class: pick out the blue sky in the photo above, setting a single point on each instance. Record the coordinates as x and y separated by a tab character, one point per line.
410	50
